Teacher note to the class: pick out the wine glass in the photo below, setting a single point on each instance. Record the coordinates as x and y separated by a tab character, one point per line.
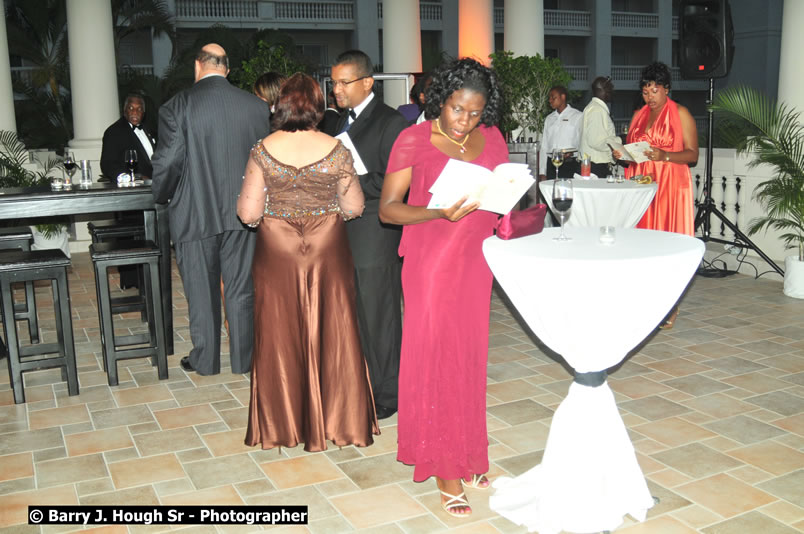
69	166
131	161
562	202
557	159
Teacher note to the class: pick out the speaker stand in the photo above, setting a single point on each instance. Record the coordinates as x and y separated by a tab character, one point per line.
707	206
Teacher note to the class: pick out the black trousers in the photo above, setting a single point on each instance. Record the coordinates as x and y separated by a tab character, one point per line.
567	169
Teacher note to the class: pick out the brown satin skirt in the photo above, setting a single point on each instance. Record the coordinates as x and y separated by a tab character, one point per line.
309	379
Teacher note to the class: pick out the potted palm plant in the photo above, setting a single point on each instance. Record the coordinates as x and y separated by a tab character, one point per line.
49	232
777	141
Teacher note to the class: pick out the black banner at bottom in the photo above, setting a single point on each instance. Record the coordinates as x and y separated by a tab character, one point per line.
167	515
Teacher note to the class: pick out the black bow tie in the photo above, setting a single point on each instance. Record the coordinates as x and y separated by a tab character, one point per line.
136	126
352	114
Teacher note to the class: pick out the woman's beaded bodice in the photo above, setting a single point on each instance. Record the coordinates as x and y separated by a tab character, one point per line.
306	191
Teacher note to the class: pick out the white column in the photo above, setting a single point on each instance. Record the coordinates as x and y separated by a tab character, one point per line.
476	29
524	27
93	73
402	46
791	76
7	118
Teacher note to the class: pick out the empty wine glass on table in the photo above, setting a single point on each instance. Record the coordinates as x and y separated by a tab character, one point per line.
131	162
562	202
70	167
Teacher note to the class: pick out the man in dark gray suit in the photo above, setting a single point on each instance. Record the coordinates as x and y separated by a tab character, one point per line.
373	127
205	135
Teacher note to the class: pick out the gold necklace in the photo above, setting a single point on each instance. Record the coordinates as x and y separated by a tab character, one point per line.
459	143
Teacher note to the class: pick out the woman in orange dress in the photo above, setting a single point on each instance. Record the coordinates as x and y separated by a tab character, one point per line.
670	130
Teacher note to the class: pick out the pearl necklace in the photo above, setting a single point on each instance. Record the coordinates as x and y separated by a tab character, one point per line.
450	139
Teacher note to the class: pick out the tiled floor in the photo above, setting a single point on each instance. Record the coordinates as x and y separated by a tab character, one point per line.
715	409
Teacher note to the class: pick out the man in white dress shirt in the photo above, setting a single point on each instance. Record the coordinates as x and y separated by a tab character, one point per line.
598	128
127	133
562	130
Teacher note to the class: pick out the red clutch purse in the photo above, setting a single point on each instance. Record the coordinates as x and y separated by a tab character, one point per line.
519	223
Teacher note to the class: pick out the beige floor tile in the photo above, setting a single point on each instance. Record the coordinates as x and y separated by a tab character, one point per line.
14	508
70	470
526	437
162	441
130	415
696	516
793	424
302	471
225	470
787	487
188	416
696	460
669	478
142	395
637	387
139	471
97	441
224	495
674	431
377	506
744	429
16	466
144	496
663	525
725	495
512	390
750	522
771	457
226	443
58	416
783	511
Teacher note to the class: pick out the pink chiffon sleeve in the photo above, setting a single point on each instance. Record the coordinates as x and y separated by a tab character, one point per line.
406	146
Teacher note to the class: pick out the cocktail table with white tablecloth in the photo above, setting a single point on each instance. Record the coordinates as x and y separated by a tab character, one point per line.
599	203
591	303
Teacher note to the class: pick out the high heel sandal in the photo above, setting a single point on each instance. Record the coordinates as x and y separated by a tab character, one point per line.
670	321
477	482
454	502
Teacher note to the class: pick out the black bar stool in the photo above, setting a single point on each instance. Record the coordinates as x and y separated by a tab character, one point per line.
28	266
116	254
19	238
106	231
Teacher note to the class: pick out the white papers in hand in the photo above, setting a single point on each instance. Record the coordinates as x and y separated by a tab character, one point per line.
631	151
360	168
497	190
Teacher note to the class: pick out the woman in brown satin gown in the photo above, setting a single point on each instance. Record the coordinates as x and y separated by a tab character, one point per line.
309	379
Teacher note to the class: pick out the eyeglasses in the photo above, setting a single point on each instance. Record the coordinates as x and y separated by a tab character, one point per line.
338	83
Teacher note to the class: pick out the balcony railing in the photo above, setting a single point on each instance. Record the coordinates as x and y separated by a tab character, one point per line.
217	9
315	11
555	19
430	11
558	18
143	70
675	24
626	73
579	73
629	20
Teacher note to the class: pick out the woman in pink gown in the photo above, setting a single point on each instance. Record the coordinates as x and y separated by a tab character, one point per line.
446	283
670	130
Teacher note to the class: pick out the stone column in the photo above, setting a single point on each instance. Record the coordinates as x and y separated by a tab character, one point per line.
402	46
366	36
7	117
449	32
664	48
93	75
524	27
476	29
791	77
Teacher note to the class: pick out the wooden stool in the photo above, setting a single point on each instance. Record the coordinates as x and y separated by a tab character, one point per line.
19	238
28	266
115	254
106	231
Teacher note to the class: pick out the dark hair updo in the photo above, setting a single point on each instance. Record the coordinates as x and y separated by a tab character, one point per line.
469	74
657	73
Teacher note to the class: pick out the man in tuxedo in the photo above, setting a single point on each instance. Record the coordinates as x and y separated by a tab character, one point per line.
373	127
205	135
124	134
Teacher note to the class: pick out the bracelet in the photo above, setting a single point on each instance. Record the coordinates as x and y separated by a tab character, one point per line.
667	156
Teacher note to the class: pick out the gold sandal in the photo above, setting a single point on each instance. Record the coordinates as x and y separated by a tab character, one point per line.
670	321
454	502
477	482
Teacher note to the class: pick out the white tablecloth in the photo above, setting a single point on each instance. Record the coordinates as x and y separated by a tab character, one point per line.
592	303
599	203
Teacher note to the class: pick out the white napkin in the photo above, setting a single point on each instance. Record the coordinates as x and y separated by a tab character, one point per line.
592	176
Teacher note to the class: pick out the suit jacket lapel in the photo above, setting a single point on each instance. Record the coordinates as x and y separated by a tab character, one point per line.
363	119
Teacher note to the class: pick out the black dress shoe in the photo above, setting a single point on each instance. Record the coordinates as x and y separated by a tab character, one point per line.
186	365
384	412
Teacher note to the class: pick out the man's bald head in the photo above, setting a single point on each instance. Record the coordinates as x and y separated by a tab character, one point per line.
211	59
